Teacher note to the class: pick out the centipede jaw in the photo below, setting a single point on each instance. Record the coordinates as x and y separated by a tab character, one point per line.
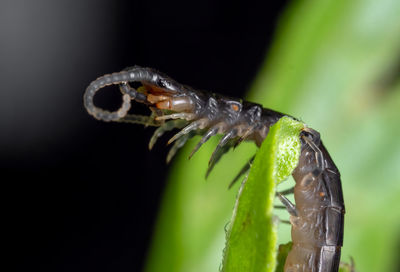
167	100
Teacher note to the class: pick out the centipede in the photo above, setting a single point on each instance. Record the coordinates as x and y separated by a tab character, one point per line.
316	217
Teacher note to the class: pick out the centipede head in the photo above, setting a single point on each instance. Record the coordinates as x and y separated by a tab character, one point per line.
167	95
175	105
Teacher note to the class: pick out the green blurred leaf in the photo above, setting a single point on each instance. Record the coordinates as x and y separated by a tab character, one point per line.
189	234
283	252
347	267
251	237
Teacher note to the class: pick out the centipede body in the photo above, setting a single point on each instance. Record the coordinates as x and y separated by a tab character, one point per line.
317	218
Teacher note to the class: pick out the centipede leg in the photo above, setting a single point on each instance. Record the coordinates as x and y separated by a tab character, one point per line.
181	115
224	140
211	132
164	128
242	171
178	144
218	153
280	207
313	144
287	191
290	207
191	127
285	222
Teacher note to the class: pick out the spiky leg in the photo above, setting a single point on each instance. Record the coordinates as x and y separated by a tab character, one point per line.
178	144
242	171
168	126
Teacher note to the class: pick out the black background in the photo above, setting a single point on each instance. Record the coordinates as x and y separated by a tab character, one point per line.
73	187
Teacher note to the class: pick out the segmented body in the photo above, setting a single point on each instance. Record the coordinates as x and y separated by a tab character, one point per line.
317	221
317	228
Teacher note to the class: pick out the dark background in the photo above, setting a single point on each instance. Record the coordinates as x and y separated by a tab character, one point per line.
73	187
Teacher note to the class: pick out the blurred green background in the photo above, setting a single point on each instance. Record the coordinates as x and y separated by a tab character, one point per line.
335	65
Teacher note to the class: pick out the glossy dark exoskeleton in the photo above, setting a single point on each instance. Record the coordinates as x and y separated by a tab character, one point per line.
317	220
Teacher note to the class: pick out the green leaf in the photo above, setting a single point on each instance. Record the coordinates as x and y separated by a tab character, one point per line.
251	237
189	234
347	267
283	252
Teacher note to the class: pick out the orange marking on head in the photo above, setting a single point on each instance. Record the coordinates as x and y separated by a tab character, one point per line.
235	107
321	194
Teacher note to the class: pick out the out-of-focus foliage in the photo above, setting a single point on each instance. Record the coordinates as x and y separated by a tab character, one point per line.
347	267
252	234
335	65
283	251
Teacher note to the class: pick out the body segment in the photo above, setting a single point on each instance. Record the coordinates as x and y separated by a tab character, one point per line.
317	230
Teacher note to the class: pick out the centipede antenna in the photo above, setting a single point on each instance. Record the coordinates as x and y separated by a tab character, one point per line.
211	132
135	74
139	119
125	88
98	113
242	171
